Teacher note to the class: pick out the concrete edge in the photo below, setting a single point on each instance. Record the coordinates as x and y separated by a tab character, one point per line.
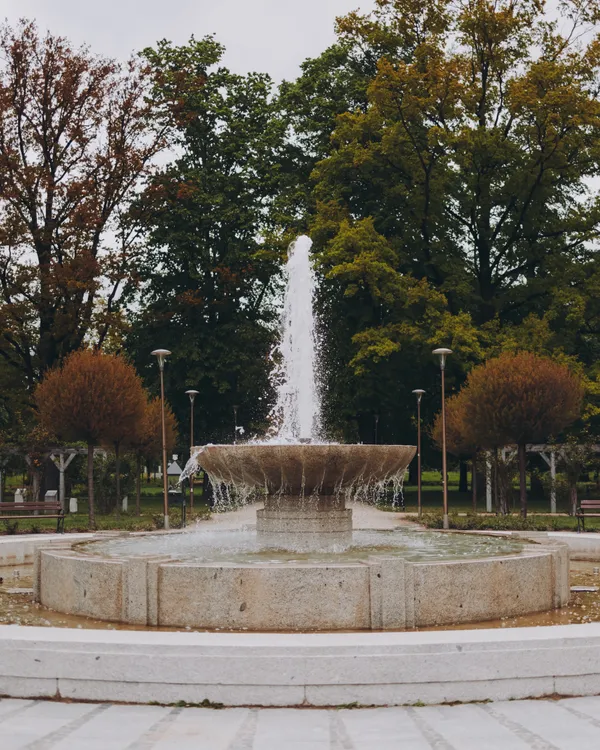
300	669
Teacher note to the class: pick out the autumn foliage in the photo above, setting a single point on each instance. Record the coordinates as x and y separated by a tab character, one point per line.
515	399
148	442
93	397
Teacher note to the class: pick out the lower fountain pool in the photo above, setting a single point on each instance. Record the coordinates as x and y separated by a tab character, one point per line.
245	547
244	580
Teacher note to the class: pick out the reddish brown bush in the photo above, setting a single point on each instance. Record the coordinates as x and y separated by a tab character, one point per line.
92	397
519	398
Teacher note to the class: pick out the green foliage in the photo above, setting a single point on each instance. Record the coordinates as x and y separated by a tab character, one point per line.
212	257
500	523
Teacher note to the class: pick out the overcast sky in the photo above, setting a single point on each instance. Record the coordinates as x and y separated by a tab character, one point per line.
271	36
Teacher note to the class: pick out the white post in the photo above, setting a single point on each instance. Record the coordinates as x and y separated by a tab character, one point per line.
552	482
62	466
488	482
551	461
72	505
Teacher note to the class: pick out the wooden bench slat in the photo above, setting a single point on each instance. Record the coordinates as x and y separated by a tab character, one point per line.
36	506
16	511
11	518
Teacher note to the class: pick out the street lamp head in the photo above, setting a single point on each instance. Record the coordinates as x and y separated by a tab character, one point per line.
442	354
192	394
419	394
161	355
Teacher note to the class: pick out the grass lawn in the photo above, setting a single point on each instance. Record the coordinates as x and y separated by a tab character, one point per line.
150	519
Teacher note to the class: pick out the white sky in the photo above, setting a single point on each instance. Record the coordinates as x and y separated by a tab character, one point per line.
270	36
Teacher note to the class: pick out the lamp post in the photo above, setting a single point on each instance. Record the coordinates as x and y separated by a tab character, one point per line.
192	394
235	409
442	354
161	355
376	428
419	394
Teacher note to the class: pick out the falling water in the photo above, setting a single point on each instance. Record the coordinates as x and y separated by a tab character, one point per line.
298	409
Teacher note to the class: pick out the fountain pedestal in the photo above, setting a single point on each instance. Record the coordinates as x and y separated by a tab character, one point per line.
296	514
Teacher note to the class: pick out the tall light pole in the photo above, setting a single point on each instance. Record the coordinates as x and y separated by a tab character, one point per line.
161	355
442	354
192	394
419	394
235	409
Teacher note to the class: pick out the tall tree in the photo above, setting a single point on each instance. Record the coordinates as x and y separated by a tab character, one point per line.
208	272
471	162
75	141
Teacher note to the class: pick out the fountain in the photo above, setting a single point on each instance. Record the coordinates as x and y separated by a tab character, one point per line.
305	481
302	567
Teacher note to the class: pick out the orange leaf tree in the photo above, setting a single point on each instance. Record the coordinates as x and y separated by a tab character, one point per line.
85	399
459	440
520	398
148	444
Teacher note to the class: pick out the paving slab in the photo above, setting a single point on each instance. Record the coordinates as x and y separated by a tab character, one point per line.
568	724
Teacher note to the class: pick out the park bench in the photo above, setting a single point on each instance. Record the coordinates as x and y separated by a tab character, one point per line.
583	510
25	509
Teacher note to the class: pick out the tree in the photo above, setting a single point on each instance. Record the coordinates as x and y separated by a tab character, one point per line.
471	161
128	422
210	267
84	398
520	398
76	138
459	438
148	443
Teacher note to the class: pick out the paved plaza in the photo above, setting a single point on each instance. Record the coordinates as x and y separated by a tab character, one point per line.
570	724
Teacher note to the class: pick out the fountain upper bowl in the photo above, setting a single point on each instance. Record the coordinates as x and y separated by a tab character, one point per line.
316	468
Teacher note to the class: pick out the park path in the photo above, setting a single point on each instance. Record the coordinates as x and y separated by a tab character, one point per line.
363	517
570	724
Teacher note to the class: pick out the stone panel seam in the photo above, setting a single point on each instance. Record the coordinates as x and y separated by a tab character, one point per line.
433	738
150	737
244	738
16	711
45	743
338	735
580	715
534	741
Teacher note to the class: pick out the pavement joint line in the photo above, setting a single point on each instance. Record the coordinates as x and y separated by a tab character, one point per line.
244	738
534	740
46	742
152	735
580	715
435	740
15	711
338	736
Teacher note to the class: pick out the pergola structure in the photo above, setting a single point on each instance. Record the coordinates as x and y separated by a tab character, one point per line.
548	451
61	457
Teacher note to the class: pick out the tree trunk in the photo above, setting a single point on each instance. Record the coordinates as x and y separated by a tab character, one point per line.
573	497
90	478
523	478
118	478
463	483
138	485
474	481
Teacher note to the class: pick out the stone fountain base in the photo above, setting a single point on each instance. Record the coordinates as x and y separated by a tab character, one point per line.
293	514
377	593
